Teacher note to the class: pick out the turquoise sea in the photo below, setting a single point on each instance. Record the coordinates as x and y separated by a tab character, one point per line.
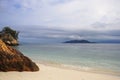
95	57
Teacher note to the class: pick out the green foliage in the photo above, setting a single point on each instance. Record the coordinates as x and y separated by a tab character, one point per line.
13	33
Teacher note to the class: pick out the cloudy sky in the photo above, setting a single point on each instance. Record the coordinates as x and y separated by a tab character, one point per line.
97	20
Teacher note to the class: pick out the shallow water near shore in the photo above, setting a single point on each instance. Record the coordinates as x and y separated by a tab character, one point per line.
87	57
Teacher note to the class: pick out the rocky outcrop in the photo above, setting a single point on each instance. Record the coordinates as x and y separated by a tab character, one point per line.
13	60
9	36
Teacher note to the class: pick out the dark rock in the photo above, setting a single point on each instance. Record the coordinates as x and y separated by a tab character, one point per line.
9	36
13	60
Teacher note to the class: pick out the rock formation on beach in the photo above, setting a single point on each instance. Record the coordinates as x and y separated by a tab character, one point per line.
9	36
13	60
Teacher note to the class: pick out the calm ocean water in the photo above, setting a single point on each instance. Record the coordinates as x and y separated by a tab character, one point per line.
101	57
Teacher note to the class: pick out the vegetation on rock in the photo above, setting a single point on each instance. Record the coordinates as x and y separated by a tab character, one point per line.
9	36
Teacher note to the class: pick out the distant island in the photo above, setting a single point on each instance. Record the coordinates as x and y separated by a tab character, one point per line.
78	41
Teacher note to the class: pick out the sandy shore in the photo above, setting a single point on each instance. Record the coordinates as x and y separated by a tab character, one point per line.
54	73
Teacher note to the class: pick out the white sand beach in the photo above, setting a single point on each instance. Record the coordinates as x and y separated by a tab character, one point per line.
56	73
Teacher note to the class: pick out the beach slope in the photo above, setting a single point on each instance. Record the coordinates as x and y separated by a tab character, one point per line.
55	73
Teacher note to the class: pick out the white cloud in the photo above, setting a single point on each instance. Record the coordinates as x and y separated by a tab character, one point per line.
61	14
65	36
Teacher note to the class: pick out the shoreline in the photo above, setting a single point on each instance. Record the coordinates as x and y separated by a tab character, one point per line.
78	68
48	72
